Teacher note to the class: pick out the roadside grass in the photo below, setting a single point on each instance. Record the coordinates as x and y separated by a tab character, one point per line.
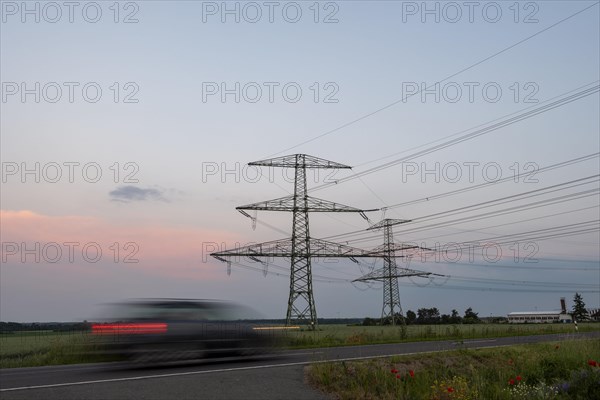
560	370
39	348
342	335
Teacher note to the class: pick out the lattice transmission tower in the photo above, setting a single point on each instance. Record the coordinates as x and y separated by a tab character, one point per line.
390	272
301	247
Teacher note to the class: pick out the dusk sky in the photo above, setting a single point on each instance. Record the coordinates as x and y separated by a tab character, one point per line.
126	129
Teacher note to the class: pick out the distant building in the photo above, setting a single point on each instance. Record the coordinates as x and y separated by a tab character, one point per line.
540	317
594	314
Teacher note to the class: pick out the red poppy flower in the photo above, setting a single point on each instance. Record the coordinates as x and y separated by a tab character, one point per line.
511	382
411	373
519	377
450	390
592	363
394	371
398	376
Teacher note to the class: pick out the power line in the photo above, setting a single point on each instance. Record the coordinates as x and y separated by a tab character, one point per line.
327	133
580	94
490	289
524	266
495	202
516	119
510	210
517	222
535	284
494	182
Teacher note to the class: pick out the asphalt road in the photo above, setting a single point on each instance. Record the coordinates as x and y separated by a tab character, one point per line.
274	377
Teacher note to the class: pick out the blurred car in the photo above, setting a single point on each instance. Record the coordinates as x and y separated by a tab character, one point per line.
161	330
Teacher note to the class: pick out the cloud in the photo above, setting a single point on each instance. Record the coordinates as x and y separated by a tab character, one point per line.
127	194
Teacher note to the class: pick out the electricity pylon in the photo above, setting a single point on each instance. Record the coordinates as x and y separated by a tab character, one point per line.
300	247
390	272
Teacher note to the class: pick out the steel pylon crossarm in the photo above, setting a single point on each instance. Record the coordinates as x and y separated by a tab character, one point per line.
381	274
311	204
284	248
395	250
299	160
388	222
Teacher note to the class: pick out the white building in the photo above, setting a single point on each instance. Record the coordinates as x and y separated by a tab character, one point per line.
538	317
594	314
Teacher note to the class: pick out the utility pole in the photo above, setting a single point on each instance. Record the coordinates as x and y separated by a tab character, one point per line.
301	247
390	272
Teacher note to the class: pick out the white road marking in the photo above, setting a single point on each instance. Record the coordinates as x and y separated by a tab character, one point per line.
476	341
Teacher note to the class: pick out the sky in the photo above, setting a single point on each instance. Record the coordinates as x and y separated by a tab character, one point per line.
126	129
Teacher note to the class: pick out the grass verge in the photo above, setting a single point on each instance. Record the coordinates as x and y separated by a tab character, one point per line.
342	335
560	370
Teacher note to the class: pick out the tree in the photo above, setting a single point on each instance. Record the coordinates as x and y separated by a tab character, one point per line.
579	311
428	315
455	318
410	317
471	317
398	320
369	322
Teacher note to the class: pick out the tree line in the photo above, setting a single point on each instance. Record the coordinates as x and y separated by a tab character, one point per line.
10	327
432	316
428	316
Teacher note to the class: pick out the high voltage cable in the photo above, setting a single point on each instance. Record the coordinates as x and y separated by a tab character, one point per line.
477	243
521	266
333	279
514	236
485	184
543	234
560	227
475	187
493	214
486	204
481	289
516	222
542	237
526	284
516	282
517	119
511	198
327	279
318	278
440	81
480	132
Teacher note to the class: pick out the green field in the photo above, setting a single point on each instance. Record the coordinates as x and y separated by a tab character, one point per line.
37	348
561	370
342	335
